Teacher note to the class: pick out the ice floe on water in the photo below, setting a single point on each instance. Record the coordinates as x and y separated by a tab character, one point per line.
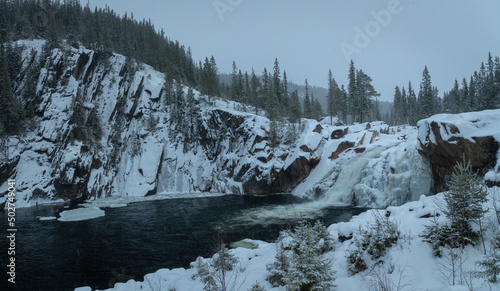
80	214
44	218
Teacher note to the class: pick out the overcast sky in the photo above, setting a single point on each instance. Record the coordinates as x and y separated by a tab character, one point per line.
389	40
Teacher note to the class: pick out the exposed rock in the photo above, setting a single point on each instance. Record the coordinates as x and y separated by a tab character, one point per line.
339	133
374	136
318	128
490	183
341	148
444	152
362	140
336	134
287	179
359	150
305	148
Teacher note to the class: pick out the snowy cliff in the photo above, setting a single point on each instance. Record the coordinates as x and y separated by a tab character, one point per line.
445	139
141	150
102	126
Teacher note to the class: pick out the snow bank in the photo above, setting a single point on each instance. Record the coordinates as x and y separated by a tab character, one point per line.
469	124
80	214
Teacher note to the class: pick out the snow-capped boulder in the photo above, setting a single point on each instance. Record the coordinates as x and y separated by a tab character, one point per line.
446	139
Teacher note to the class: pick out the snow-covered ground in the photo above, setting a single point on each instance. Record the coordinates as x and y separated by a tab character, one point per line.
409	263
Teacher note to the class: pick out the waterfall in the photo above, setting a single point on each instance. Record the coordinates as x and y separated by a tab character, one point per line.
351	173
381	176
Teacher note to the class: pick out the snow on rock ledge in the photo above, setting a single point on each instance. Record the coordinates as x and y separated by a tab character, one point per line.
445	139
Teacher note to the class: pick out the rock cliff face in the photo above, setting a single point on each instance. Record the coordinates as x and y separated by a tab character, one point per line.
447	139
143	146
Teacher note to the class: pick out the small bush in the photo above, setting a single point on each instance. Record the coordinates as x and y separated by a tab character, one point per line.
213	272
372	240
491	263
299	263
256	287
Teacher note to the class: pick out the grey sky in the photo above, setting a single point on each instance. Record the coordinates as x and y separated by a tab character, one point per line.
451	37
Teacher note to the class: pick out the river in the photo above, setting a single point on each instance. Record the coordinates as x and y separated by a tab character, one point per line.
139	238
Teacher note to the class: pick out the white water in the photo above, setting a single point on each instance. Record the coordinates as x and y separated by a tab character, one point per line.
340	194
379	177
342	190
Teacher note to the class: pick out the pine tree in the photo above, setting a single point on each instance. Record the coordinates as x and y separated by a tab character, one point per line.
295	108
344	105
464	201
254	91
285	98
404	105
365	93
265	88
491	263
234	83
352	103
426	102
397	107
466	104
307	103
299	263
412	106
331	97
376	111
277	86
451	100
317	110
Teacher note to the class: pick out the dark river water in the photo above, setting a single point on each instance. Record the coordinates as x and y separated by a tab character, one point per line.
135	240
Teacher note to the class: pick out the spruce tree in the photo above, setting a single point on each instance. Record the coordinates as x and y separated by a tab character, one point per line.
412	106
365	93
307	103
284	106
295	108
464	201
426	102
234	83
352	103
277	86
330	97
317	109
344	104
396	109
465	105
254	91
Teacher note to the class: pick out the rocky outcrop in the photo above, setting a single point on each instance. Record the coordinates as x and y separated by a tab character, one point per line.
445	140
343	146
